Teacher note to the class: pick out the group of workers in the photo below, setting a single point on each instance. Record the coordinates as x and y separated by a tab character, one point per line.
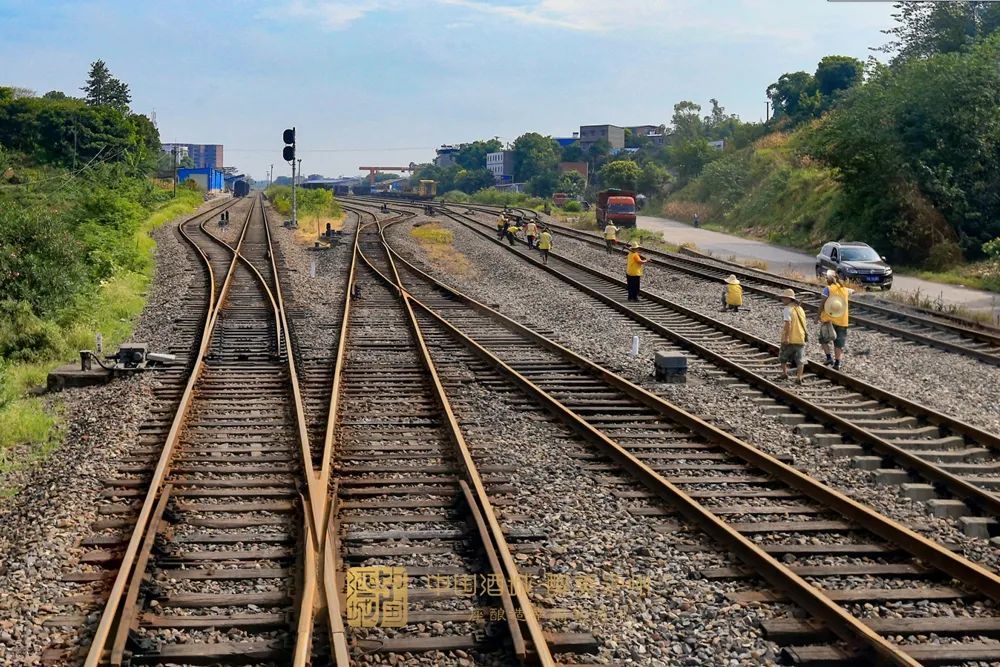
833	321
537	236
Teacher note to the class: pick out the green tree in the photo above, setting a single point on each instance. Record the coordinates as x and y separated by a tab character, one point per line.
789	96
837	73
924	29
621	174
572	183
915	149
598	153
102	89
474	180
573	153
690	157
687	121
653	179
534	154
542	184
473	155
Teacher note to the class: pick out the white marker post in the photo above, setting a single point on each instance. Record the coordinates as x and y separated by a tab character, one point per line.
634	352
312	269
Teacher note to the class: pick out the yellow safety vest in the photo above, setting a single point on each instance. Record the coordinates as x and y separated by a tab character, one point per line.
797	327
610	232
734	295
545	241
634	267
838	291
530	229
513	230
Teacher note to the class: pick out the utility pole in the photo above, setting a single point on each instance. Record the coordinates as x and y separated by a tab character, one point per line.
270	175
174	151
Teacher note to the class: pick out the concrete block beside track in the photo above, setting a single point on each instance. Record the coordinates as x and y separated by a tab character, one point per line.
947	508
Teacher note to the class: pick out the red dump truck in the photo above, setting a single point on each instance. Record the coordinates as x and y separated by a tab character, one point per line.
616	205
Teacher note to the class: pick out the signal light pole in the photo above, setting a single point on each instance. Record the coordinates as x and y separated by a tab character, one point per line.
288	153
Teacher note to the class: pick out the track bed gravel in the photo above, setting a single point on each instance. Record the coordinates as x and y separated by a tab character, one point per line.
953	384
543	302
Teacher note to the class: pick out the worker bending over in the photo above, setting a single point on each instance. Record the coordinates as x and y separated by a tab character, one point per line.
732	295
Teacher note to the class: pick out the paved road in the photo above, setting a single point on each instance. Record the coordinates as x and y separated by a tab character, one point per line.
784	260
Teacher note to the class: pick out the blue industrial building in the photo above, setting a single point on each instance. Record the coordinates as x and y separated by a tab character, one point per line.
207	178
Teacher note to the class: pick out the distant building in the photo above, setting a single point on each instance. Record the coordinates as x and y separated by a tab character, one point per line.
182	150
591	134
719	145
643	130
657	139
208	179
204	155
501	165
581	168
568	141
446	155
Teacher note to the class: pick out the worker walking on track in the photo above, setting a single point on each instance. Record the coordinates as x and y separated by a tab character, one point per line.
732	296
501	226
633	270
793	336
530	232
833	320
545	244
610	236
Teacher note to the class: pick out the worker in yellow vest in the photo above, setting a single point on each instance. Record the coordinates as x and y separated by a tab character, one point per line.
732	296
610	236
545	244
633	270
501	225
530	233
833	320
793	336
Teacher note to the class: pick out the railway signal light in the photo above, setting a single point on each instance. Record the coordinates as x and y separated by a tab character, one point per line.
288	153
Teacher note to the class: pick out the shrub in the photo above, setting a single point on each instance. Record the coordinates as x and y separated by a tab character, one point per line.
24	336
572	206
944	255
992	248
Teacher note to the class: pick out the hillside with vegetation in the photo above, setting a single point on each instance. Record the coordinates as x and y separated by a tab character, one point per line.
900	152
77	200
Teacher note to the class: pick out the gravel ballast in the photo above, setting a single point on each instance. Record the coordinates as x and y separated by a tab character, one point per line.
543	302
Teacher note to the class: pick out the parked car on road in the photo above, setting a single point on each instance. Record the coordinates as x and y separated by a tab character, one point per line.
855	262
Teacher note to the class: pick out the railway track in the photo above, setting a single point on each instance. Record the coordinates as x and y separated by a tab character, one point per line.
408	494
977	342
875	590
214	564
908	443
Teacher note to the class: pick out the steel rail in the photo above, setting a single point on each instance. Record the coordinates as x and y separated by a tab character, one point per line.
971	574
484	507
697	267
976	497
128	562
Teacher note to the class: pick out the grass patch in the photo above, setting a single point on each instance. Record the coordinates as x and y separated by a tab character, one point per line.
919	299
978	275
438	244
111	309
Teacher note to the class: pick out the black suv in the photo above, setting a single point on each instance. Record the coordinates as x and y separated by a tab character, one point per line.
854	262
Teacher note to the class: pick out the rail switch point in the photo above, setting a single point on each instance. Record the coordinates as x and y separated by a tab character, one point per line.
670	367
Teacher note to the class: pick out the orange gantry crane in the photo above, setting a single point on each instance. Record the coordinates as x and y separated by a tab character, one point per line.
374	170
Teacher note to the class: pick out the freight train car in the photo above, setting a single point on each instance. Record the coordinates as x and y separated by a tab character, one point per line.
241	189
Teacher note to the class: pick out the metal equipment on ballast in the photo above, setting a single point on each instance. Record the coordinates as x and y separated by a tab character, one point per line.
130	358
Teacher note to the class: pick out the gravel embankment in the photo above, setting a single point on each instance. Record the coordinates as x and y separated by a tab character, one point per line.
544	303
56	497
956	385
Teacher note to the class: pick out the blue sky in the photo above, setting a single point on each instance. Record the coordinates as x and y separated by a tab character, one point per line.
385	81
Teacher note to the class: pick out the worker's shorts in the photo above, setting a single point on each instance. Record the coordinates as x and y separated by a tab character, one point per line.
792	354
827	334
840	341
